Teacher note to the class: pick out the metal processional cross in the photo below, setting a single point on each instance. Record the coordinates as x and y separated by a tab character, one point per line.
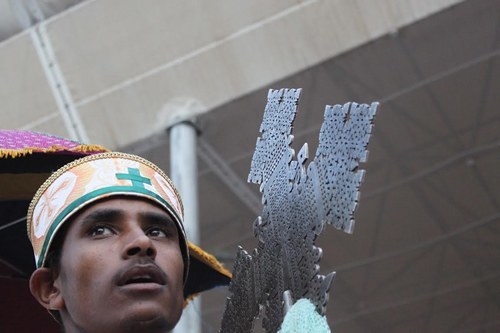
299	199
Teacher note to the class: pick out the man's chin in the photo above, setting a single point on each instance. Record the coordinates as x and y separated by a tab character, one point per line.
157	324
149	318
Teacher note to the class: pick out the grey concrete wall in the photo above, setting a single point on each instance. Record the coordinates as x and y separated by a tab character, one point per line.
129	64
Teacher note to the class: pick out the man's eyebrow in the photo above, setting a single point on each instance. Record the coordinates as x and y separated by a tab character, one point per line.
154	217
103	214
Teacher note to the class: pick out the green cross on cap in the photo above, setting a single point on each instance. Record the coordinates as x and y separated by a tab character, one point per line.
134	175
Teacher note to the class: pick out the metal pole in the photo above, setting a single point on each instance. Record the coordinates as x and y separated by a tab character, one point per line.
32	17
183	172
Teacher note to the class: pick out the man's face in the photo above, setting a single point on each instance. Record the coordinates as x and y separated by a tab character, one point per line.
121	269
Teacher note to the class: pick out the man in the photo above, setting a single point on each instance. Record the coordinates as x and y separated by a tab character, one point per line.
110	247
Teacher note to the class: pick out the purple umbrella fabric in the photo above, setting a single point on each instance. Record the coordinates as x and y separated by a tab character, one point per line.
26	159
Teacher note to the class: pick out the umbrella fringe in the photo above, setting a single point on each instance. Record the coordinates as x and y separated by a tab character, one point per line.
208	259
13	153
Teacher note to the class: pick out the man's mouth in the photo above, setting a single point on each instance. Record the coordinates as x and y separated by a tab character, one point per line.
142	274
140	279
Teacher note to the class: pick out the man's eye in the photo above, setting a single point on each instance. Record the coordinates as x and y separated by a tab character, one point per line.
101	231
156	232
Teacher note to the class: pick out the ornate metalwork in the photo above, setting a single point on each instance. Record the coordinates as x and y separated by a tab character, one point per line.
298	200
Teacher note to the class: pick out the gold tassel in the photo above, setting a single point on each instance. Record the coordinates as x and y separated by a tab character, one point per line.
14	153
208	259
188	299
5	153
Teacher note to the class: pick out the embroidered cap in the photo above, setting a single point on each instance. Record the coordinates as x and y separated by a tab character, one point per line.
92	178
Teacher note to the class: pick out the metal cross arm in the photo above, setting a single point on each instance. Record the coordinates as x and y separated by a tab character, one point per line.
299	199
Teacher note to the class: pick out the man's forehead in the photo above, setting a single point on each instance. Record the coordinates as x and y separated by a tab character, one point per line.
125	205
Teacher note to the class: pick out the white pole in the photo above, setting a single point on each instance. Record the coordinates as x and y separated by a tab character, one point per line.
183	172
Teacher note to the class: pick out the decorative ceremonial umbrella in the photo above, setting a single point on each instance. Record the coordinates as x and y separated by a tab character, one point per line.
26	161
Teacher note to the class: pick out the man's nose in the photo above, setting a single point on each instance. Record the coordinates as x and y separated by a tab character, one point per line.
139	244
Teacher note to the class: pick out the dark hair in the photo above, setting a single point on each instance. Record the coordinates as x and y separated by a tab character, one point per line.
53	261
53	257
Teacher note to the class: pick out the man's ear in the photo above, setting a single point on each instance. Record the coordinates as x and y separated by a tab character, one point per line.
44	286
